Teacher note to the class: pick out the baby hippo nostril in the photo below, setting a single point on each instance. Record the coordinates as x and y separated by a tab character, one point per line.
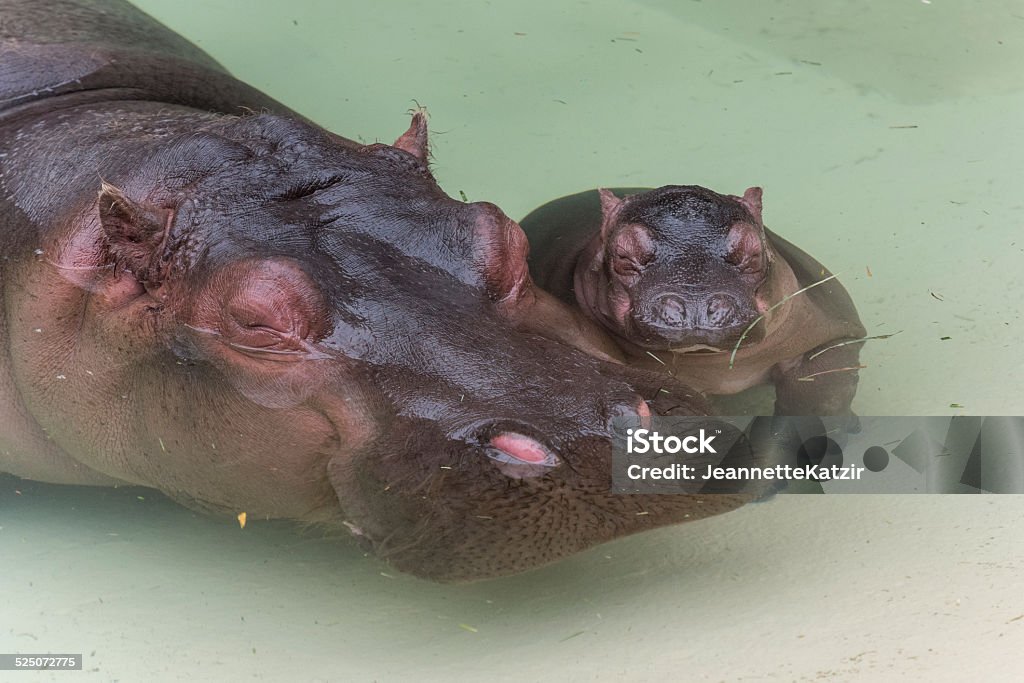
670	311
721	310
523	449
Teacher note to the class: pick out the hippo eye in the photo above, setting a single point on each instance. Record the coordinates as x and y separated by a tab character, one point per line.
255	327
751	265
268	309
253	315
625	266
747	266
631	249
745	249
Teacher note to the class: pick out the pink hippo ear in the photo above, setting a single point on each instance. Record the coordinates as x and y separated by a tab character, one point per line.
610	207
414	141
751	201
135	231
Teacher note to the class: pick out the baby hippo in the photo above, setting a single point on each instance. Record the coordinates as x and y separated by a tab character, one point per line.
679	275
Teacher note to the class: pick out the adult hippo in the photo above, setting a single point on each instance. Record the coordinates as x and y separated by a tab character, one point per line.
252	314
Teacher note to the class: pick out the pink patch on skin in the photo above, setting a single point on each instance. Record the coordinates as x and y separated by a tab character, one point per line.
644	411
520	447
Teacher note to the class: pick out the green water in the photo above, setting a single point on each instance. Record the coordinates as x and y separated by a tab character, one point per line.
887	136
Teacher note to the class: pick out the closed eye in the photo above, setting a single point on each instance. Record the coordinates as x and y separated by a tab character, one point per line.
625	266
303	351
293	350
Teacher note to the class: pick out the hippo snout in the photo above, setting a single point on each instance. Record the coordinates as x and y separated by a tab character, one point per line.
670	321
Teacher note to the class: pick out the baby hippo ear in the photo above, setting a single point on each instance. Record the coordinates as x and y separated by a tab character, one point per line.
135	231
610	207
751	201
610	204
414	141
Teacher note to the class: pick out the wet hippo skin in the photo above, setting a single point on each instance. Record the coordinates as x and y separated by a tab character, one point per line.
205	294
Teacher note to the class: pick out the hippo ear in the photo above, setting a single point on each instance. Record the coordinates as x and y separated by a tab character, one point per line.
414	141
610	207
134	230
610	204
751	201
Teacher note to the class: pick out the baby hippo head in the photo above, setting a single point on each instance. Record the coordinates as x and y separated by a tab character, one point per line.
678	268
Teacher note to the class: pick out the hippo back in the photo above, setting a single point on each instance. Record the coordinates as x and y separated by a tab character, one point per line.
69	52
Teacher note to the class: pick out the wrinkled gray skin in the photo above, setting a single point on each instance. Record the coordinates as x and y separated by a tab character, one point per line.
254	315
678	274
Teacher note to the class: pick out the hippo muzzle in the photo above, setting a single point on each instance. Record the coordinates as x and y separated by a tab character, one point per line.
684	320
459	511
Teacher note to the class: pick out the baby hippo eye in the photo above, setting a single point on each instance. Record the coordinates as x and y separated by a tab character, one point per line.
750	265
745	249
625	266
631	249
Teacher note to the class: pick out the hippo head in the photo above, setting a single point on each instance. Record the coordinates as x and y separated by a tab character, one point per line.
299	326
679	268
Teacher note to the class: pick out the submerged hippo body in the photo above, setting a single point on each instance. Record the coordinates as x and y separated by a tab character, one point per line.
254	315
679	275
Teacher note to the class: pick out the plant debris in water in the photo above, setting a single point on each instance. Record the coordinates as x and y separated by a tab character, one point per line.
810	377
854	341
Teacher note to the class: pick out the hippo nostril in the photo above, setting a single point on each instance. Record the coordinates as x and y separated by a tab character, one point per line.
670	311
518	448
721	310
